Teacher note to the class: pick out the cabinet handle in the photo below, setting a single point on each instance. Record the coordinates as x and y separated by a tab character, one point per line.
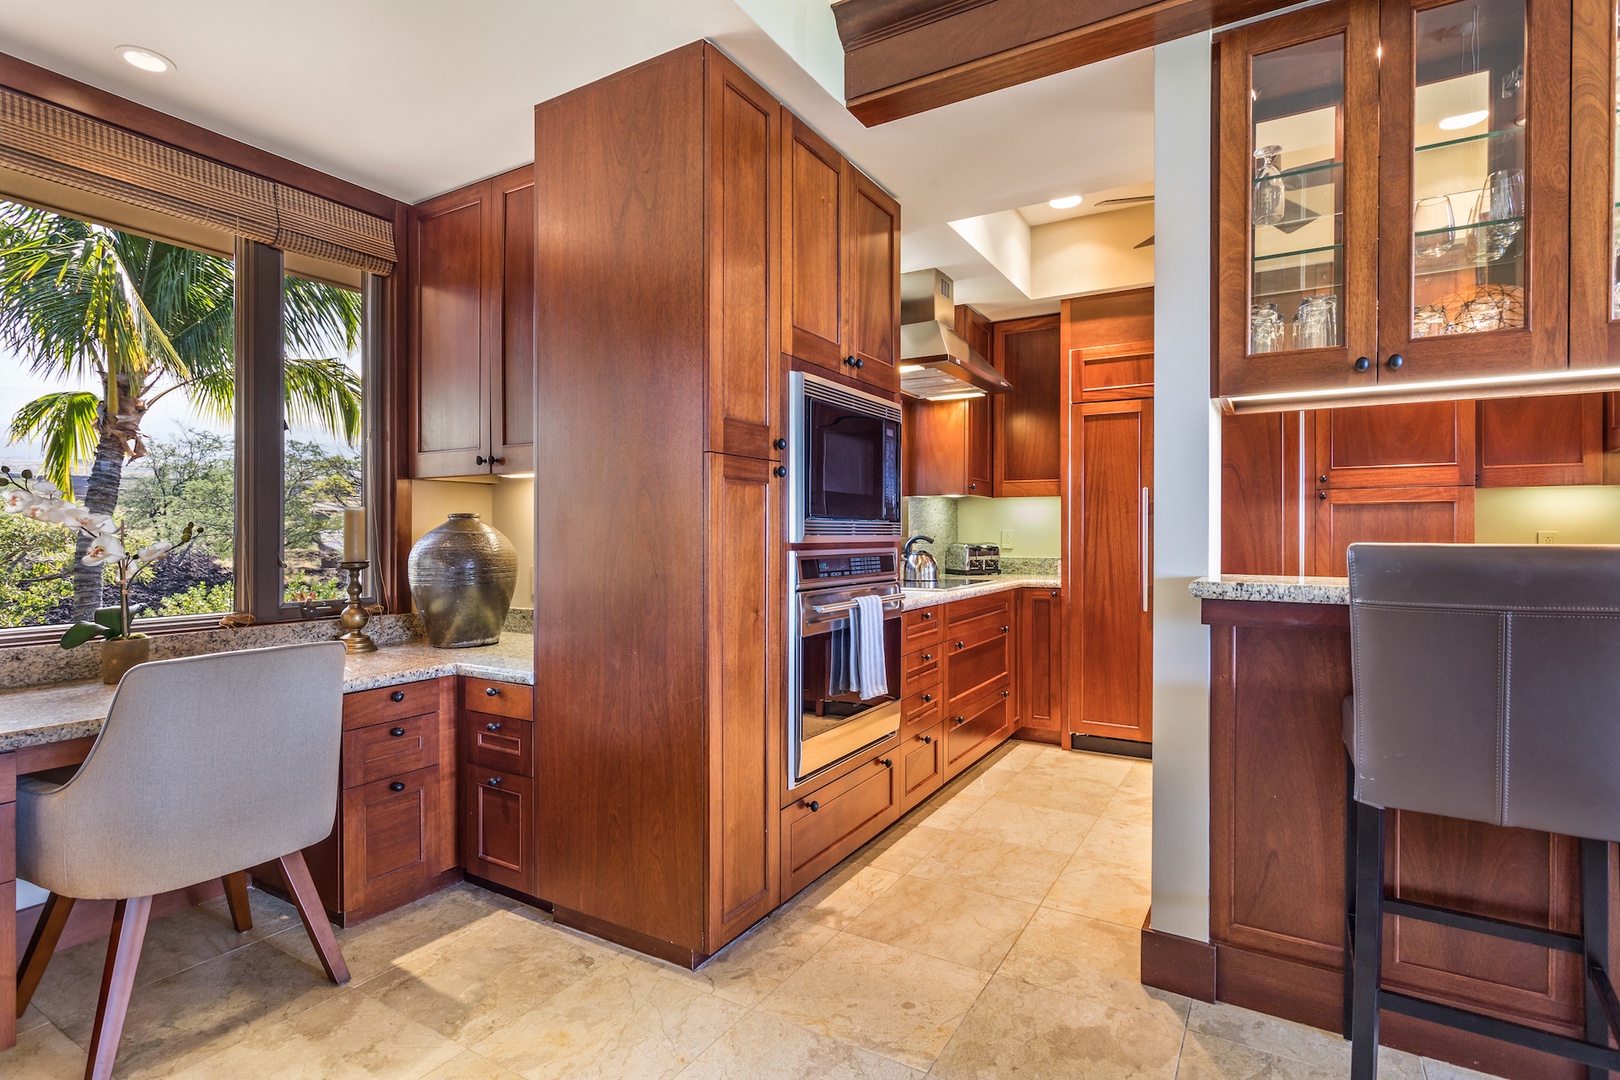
887	763
926	738
927	656
813	805
397	785
779	471
927	698
1395	361
482	460
398	733
849	361
780	444
961	644
1321	494
1006	693
1321	479
1057	594
1362	363
492	691
497	461
1143	528
492	726
973	487
1004	629
397	695
927	615
493	781
958	719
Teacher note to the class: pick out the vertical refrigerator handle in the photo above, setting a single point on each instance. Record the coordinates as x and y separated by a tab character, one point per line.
1142	526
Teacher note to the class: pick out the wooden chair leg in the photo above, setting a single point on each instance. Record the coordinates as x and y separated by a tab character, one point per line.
35	958
236	895
308	902
117	982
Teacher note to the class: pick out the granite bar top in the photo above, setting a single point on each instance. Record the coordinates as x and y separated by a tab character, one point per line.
1273	590
45	714
921	598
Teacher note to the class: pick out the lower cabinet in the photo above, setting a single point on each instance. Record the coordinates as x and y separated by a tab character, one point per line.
1040	663
819	829
976	731
922	766
394	840
497	827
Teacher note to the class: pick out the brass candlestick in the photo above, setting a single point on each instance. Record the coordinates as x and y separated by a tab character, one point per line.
353	616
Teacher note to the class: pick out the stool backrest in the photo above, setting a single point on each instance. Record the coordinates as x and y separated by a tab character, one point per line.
1487	683
206	765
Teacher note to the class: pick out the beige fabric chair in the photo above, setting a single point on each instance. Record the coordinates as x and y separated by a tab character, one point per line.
206	766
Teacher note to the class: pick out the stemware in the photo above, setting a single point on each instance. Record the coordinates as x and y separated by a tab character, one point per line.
1270	194
1433	228
1498	215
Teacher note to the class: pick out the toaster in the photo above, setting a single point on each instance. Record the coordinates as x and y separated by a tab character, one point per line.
973	558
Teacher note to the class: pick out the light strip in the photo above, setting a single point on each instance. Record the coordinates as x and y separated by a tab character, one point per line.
1568	381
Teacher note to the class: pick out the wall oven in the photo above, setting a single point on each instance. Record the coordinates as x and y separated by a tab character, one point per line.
827	721
844	456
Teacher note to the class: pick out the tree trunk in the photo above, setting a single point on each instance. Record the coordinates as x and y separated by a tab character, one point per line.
100	497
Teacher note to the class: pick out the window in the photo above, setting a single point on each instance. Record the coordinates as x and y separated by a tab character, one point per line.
133	372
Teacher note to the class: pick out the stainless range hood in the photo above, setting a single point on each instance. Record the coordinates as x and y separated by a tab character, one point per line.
934	360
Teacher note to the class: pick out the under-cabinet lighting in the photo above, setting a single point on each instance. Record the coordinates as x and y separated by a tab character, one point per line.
1067	202
1464	120
145	59
1576	380
958	397
517	476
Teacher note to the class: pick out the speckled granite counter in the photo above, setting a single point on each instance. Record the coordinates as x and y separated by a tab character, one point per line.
921	598
1274	590
46	714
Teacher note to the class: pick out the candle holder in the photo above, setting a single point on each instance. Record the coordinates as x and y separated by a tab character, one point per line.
353	616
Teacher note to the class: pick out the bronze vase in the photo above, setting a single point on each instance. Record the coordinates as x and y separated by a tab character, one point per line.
462	576
118	655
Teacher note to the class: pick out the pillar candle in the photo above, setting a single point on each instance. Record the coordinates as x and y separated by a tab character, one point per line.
354	534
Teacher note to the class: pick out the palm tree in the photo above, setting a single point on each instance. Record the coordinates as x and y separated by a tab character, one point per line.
144	319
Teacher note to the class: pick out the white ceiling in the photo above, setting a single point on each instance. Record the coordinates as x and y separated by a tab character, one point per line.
414	97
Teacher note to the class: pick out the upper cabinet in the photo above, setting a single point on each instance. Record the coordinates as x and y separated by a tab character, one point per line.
472	329
841	263
1594	284
1029	417
1398	220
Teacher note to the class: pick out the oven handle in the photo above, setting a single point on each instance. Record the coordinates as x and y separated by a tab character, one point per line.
849	605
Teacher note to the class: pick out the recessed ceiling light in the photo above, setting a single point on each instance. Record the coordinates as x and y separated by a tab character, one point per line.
1464	120
145	59
1068	202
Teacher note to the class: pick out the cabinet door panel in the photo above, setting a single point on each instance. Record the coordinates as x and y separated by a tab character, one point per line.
449	340
936	454
391	839
1387	515
1420	444
512	373
1111	636
1525	442
1028	452
812	255
872	246
1260	492
822	827
1594	335
922	766
969	737
1040	660
497	837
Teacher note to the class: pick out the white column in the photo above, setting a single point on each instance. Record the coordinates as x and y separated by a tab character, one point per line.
1186	478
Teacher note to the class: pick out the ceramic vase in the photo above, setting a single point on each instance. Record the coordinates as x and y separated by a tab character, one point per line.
118	655
462	576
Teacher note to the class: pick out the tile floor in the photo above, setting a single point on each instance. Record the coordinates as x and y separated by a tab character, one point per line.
992	934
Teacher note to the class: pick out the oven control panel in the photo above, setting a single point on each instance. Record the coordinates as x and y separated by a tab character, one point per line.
828	567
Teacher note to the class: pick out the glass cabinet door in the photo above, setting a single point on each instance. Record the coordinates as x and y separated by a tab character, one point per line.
1594	192
1296	245
1473	204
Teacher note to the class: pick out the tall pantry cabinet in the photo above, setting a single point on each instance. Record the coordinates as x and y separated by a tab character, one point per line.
658	679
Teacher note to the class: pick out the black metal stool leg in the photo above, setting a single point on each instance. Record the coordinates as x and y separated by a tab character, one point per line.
1349	894
1369	941
1595	937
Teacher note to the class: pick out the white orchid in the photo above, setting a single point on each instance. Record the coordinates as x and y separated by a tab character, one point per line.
88	521
153	552
103	549
16	500
46	510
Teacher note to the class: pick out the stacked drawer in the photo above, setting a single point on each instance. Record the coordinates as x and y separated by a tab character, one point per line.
497	793
8	896
922	666
979	710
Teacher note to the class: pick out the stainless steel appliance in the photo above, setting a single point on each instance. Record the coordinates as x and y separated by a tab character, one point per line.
844	457
973	558
828	723
935	360
920	568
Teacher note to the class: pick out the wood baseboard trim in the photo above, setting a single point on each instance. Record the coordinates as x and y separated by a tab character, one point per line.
510	893
1177	964
1103	744
1042	735
631	939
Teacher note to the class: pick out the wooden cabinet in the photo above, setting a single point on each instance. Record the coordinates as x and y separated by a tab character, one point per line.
1594	333
1040	663
1428	443
922	766
471	345
819	829
1029	417
1110	639
8	898
946	449
840	263
497	827
1261	492
979	707
1107	343
977	730
1527	442
394	841
1345	516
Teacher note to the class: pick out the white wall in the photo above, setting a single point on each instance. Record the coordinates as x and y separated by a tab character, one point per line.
1036	524
1578	515
1095	253
1186	474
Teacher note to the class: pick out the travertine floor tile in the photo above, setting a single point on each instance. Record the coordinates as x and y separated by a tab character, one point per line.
1032	826
948	810
1104	892
1210	1057
1060	789
1089	959
1016	756
903	846
43	1053
31	1018
1031	1033
837	897
1284	1038
985	864
967	928
894	1002
469	1066
756	963
761	1045
1098	768
1116	842
624	1021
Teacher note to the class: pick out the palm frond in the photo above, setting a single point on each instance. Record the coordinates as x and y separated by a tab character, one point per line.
320	320
67	422
324	392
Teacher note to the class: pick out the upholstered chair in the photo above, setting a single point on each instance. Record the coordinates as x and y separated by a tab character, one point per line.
206	766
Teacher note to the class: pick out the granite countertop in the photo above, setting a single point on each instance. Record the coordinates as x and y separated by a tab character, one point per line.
46	714
1274	590
921	598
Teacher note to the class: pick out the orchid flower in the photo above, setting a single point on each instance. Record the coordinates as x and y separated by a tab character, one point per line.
103	549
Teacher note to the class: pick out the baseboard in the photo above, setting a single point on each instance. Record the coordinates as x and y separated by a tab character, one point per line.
1177	964
507	891
1035	734
1102	744
631	939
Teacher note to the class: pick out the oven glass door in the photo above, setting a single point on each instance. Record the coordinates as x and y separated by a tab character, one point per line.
833	721
854	472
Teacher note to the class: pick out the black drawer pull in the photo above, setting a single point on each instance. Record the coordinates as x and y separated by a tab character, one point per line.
492	691
780	444
1321	494
779	471
397	785
1395	361
1362	363
493	781
492	726
927	615
813	805
961	644
958	719
1006	693
927	656
887	763
398	733
926	738
1004	629
927	698
397	695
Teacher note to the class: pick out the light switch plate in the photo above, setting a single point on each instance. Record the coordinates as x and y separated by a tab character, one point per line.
1546	536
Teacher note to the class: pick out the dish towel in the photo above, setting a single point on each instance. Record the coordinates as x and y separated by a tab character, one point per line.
868	667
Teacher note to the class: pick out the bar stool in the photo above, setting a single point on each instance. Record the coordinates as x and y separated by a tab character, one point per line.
1487	688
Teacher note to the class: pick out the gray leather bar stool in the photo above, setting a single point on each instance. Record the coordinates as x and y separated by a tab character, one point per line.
206	766
1487	688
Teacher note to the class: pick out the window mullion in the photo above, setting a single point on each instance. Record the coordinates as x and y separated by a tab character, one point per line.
260	422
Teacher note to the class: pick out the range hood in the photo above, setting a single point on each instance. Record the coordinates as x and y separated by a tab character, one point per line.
934	360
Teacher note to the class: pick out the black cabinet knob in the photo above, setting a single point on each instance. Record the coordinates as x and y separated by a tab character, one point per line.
1057	594
958	719
859	362
927	615
398	733
482	460
1322	479
927	656
492	726
780	444
972	487
1321	494
961	644
397	695
497	461
780	470
1395	361
813	805
849	361
887	763
1006	693
397	785
1004	629
926	738
492	691
1362	363
493	781
927	698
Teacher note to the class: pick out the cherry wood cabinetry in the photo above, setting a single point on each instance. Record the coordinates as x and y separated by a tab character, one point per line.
1107	342
471	346
980	709
1427	515
1040	664
8	899
497	805
656	745
1527	442
922	766
1428	443
819	829
1261	493
1029	417
946	449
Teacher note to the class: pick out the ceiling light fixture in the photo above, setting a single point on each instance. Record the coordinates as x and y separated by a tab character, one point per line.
1068	202
1464	120
145	59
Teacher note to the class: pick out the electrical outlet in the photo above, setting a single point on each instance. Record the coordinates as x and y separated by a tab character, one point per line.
1006	539
1546	536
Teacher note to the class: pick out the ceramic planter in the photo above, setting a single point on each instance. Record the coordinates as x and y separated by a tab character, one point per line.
462	576
118	655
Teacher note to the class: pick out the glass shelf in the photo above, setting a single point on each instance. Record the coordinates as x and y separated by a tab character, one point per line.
1476	225
1503	133
1295	254
1303	170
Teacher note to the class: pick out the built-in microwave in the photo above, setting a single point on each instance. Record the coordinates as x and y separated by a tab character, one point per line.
844	461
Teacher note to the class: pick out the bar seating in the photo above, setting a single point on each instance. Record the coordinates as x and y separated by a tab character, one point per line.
1487	688
206	766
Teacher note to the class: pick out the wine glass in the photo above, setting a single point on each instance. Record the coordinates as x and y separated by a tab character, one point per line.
1498	215
1270	194
1434	229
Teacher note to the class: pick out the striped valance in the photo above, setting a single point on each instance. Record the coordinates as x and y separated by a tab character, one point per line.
67	147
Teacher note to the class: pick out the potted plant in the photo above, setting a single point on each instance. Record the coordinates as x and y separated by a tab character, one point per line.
121	647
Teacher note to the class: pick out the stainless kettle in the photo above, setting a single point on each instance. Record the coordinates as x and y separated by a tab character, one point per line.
920	567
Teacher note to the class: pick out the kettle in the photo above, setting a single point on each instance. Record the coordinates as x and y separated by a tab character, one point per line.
920	567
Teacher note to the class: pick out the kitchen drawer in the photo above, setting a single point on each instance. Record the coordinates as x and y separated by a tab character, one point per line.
501	698
972	672
393	836
973	734
498	742
921	627
821	828
960	638
922	709
974	618
497	827
921	657
384	750
922	766
390	703
8	777
923	678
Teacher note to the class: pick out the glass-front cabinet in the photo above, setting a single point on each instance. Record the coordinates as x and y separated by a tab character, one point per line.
1594	242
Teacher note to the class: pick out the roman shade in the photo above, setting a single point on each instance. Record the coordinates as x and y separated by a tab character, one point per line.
67	147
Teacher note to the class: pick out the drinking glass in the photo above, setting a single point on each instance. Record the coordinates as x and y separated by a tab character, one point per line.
1429	321
1270	194
1498	215
1265	329
1318	322
1433	228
